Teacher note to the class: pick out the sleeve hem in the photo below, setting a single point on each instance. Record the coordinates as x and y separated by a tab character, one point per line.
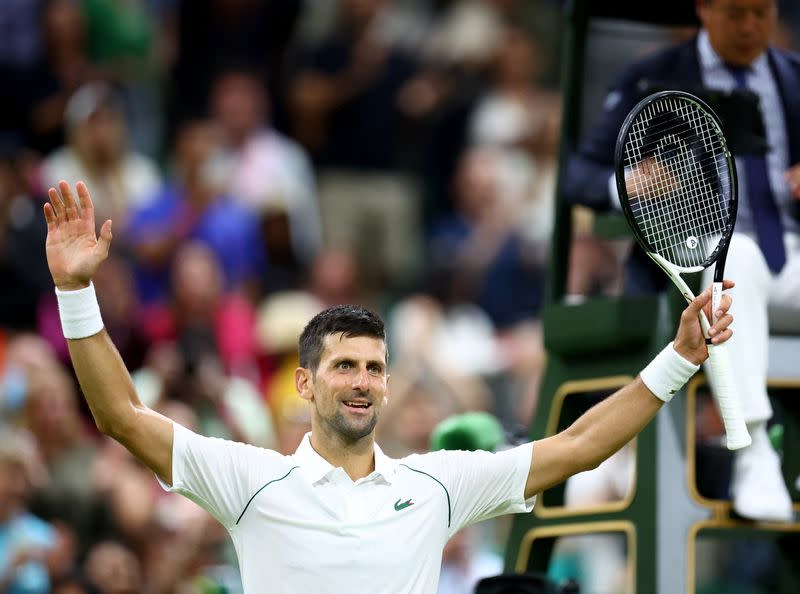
525	469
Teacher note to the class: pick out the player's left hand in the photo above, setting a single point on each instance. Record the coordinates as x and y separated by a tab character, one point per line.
792	177
689	340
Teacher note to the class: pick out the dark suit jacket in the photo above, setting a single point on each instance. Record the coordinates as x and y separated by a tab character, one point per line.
588	172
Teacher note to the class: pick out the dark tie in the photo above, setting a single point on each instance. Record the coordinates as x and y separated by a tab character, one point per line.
766	218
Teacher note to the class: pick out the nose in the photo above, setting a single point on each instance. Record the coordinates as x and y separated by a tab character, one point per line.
361	381
751	22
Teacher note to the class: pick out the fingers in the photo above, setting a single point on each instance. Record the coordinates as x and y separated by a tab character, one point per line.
724	305
49	216
104	242
87	207
699	302
720	337
57	204
64	207
70	206
721	331
722	308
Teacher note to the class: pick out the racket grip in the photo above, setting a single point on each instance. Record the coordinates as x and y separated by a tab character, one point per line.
724	391
716	297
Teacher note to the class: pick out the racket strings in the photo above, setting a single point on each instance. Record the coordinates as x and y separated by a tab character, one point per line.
677	163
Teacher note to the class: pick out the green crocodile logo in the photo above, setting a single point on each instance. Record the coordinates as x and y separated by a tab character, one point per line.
400	506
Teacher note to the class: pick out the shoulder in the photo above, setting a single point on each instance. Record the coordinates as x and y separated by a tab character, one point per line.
272	141
791	55
59	164
790	58
244	452
142	178
662	62
440	461
143	167
35	530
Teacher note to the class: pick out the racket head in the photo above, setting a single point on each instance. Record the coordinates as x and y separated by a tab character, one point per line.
672	153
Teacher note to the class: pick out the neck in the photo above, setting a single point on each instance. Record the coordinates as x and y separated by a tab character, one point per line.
356	458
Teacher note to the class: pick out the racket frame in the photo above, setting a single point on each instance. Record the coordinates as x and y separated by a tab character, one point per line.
735	428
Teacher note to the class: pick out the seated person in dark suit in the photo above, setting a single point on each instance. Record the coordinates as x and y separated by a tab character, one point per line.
731	53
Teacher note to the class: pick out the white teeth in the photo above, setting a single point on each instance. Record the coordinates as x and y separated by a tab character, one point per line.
358	404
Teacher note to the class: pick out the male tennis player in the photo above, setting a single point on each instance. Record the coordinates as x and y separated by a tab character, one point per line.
338	515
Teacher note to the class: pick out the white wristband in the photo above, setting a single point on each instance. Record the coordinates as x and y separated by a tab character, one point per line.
667	373
80	313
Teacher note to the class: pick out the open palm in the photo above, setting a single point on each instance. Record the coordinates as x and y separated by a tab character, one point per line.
73	250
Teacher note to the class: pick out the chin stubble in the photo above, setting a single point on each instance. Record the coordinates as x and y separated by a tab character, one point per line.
348	430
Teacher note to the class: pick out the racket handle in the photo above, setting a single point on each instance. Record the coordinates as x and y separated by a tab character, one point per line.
724	391
716	297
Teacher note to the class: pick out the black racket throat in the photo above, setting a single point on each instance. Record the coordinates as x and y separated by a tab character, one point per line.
676	180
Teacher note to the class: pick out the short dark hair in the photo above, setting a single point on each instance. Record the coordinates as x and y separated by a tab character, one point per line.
349	320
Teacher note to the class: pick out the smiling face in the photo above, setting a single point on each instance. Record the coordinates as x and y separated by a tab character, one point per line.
739	30
348	389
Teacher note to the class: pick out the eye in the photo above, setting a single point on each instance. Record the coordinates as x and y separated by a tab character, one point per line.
345	365
376	369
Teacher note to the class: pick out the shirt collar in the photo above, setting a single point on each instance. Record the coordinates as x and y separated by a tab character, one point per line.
711	60
317	468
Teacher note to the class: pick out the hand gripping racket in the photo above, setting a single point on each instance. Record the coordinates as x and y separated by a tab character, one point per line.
677	184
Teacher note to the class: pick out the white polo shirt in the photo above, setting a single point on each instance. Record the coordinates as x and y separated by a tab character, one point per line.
300	525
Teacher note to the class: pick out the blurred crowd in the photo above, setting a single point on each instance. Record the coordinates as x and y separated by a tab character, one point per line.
260	160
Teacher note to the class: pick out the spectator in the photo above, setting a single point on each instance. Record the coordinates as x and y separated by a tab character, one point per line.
23	269
97	152
125	487
62	69
195	206
20	49
21	46
114	569
74	583
271	174
24	538
53	418
209	334
212	34
522	121
336	279
122	39
465	563
477	254
344	101
122	309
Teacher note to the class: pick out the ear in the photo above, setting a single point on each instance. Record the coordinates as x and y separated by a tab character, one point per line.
303	383
386	393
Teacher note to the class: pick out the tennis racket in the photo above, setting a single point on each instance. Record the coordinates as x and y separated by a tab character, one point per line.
677	184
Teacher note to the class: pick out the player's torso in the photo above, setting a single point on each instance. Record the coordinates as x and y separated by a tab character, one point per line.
372	535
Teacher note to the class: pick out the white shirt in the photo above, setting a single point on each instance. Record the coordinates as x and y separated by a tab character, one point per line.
759	80
132	185
299	525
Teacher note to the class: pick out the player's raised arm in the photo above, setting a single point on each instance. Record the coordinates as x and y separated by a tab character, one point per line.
74	253
612	423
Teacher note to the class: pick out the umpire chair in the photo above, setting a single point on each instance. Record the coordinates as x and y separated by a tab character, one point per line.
601	344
